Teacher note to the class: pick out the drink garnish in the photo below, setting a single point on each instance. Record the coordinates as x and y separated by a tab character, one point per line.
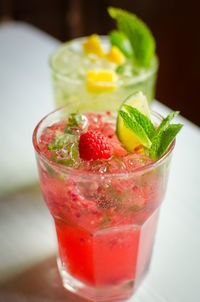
93	45
134	128
129	138
60	141
120	40
140	37
83	137
98	81
64	146
165	134
77	123
115	55
64	149
93	145
133	41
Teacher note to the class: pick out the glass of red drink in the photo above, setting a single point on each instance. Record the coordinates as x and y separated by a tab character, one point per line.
105	212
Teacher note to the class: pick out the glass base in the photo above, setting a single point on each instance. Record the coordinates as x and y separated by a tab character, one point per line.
107	293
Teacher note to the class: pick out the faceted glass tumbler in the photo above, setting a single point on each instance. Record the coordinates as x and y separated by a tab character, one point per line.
105	224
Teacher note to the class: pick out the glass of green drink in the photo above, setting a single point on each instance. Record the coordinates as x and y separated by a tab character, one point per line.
106	67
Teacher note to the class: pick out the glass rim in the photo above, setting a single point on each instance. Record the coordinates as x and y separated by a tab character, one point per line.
149	71
85	174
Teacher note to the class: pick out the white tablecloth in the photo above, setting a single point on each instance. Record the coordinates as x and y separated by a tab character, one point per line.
25	97
26	231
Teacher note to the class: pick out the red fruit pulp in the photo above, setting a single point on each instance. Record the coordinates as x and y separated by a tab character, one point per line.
105	258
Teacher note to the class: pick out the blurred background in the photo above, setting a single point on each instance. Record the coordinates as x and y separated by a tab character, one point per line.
175	25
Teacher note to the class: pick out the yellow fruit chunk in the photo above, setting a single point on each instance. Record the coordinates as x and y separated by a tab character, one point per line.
101	75
115	55
98	81
93	45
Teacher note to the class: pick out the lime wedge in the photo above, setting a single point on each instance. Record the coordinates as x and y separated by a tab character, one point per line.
138	33
119	39
126	136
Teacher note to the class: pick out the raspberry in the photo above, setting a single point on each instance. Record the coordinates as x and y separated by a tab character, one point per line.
93	145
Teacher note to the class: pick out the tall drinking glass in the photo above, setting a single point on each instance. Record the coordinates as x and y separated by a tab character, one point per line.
105	223
69	66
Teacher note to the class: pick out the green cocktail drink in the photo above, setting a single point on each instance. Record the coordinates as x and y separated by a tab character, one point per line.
106	67
70	66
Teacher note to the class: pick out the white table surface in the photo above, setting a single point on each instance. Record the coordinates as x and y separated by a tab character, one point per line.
26	231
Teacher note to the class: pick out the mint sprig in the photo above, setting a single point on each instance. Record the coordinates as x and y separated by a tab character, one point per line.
165	122
155	140
139	35
72	158
76	123
60	141
65	149
136	127
167	137
143	120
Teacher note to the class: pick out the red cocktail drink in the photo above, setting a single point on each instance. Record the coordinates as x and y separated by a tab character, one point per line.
105	210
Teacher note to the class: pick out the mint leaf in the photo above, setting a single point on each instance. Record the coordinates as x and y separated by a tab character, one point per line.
136	128
120	40
164	135
167	138
156	142
162	141
165	122
54	147
139	35
59	142
70	157
142	119
76	123
64	149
